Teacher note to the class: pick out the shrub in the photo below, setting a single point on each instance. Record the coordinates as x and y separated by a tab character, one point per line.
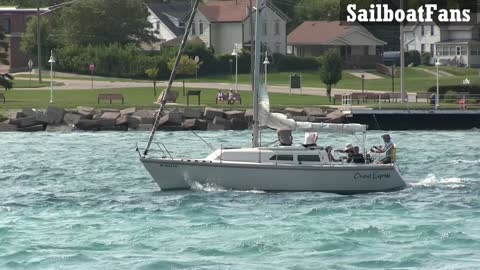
293	63
210	62
413	57
444	89
426	57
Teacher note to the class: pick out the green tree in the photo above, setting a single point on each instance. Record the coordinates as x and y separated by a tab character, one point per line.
29	41
152	73
317	10
331	70
104	22
5	78
187	65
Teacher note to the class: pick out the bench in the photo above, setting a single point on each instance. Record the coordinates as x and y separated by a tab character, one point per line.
110	97
2	96
359	97
193	93
336	98
232	98
396	96
426	96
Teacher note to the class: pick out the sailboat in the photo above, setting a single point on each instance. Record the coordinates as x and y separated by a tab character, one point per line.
271	168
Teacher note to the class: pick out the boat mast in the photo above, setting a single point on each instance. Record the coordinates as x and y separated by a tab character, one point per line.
256	74
402	58
172	76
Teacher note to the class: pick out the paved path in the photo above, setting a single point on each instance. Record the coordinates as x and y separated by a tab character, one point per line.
441	73
368	75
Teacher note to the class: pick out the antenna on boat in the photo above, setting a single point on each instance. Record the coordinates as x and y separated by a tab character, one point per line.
172	76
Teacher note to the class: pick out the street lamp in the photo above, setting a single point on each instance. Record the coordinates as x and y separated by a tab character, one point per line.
52	62
266	63
235	53
437	64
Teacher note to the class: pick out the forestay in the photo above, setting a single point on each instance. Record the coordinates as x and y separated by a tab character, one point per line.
280	121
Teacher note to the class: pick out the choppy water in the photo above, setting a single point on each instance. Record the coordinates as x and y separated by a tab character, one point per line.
83	201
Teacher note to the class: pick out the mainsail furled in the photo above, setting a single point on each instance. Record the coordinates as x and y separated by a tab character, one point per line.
280	121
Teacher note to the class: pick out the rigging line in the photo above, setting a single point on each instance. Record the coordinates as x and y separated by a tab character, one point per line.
172	76
203	140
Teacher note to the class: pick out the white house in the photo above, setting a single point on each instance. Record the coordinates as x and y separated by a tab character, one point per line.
220	24
457	45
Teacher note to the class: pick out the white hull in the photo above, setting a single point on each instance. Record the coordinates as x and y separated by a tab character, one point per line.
344	179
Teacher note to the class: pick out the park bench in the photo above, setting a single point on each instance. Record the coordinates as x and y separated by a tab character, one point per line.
336	98
193	93
396	96
234	98
110	97
2	96
426	96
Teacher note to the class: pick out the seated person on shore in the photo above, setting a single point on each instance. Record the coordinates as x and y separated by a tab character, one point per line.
310	139
231	96
357	157
285	137
220	96
331	158
348	150
387	149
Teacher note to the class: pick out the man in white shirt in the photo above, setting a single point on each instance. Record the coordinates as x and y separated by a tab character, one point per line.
387	149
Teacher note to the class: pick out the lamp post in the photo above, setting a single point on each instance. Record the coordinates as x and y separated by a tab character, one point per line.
235	53
30	67
437	64
52	62
266	63
197	60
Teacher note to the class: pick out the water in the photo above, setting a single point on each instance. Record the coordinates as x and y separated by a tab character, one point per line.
83	201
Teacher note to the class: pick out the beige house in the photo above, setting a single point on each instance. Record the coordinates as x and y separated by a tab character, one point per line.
357	46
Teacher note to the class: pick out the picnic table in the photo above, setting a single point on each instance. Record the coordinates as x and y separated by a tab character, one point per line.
110	97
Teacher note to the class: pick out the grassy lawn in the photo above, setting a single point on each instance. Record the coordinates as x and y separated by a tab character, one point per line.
29	84
140	98
46	77
457	71
415	80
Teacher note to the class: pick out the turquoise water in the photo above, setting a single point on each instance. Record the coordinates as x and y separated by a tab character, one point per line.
84	201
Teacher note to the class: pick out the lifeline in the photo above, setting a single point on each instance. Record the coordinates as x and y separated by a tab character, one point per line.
382	13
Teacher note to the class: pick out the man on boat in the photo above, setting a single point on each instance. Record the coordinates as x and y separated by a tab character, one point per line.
285	137
348	150
387	149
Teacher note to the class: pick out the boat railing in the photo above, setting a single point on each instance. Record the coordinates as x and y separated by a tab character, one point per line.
159	147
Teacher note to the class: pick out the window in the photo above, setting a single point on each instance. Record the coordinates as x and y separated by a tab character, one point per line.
265	28
277	28
459	52
157	25
432	49
422	48
432	30
474	51
452	51
423	30
6	26
365	50
308	158
193	29
282	157
200	30
464	50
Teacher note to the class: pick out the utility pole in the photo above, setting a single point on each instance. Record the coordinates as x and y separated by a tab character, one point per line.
402	58
39	47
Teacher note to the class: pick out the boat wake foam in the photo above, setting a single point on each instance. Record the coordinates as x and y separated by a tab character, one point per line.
432	181
215	188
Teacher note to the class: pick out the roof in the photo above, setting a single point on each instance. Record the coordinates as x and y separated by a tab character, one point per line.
325	32
169	11
231	10
17	9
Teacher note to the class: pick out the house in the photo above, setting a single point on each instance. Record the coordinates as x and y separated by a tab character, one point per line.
14	23
221	25
457	45
167	18
357	46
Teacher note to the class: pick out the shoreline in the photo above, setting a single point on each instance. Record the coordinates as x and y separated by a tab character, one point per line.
55	119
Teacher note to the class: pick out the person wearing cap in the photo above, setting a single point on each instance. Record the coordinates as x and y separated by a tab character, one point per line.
387	149
348	150
285	137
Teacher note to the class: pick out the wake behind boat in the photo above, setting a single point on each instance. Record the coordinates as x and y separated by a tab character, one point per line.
278	168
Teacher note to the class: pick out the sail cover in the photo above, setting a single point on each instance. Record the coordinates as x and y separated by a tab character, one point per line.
280	121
